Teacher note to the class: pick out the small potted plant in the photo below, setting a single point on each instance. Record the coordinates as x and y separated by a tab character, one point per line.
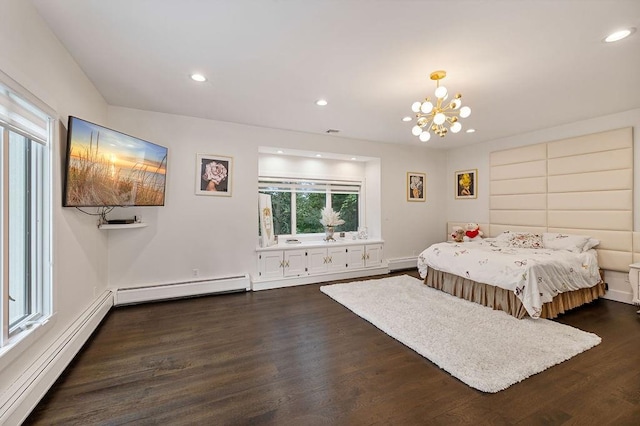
330	220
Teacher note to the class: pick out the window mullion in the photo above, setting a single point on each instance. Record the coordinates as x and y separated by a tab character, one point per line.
294	216
4	212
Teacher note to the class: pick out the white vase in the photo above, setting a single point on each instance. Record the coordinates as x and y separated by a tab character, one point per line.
328	233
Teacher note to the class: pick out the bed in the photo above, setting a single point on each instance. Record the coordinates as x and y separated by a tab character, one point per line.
523	274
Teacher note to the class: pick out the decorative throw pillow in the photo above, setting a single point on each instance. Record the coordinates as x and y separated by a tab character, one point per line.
526	240
558	241
505	236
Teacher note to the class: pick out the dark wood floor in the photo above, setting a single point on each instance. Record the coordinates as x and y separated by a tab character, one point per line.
295	357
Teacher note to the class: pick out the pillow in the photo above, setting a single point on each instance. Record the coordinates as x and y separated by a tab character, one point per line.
557	241
526	240
505	236
590	244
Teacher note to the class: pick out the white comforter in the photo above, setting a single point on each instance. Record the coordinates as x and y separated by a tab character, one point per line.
534	275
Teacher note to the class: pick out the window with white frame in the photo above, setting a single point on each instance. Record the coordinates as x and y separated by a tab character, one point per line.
25	138
296	203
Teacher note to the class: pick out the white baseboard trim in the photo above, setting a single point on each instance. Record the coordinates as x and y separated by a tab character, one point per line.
25	393
403	263
312	279
619	296
126	296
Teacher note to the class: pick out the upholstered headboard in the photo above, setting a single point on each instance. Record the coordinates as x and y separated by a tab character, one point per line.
582	185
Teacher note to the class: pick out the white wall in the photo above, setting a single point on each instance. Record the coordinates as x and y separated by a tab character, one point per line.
477	157
218	235
33	57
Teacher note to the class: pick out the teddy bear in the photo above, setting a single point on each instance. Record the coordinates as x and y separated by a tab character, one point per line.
472	232
457	234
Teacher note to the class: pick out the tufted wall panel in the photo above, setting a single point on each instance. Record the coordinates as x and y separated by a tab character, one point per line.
581	185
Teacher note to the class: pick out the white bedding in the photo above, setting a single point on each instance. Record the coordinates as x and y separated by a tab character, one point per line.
534	275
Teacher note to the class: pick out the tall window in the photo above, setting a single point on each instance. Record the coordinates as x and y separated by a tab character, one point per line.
26	214
297	203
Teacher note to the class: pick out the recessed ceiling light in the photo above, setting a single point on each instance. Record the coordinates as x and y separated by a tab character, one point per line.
407	118
198	77
471	130
318	155
353	158
321	102
280	151
619	35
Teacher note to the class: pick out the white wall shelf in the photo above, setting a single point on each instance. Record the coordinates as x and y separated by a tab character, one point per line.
108	226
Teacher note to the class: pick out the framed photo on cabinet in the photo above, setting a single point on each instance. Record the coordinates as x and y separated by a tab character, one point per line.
213	175
416	186
466	184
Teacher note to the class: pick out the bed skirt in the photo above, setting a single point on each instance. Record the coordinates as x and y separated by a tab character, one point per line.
505	300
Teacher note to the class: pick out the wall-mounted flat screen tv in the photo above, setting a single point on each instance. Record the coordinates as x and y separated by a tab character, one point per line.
106	168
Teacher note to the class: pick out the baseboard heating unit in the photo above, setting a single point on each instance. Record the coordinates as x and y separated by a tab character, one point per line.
403	263
23	395
127	296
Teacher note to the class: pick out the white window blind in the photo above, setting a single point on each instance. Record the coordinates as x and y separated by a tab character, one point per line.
308	185
21	117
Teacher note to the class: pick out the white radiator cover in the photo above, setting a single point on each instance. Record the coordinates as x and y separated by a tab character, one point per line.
18	401
400	263
126	296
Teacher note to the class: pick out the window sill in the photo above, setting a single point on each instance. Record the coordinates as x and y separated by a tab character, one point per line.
17	345
283	245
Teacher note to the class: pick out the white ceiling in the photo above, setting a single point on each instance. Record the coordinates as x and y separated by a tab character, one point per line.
521	65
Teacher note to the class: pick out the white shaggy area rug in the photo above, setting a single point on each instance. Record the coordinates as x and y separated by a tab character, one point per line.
486	349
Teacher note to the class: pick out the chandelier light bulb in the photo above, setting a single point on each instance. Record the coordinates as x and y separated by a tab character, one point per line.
424	136
456	103
439	118
426	107
416	130
456	127
465	111
415	107
441	92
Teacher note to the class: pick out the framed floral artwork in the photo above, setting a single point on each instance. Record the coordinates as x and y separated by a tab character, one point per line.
416	186
213	175
466	184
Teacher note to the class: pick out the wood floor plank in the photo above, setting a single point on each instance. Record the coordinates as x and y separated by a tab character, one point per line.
293	356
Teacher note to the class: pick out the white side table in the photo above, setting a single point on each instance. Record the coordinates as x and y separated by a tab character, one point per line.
634	279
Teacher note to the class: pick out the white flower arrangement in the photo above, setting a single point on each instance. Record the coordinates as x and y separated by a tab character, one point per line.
330	218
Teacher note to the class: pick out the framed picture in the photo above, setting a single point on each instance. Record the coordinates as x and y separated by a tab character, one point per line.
213	175
466	184
416	186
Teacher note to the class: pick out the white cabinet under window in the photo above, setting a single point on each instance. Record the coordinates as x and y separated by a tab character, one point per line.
282	263
282	266
317	261
365	256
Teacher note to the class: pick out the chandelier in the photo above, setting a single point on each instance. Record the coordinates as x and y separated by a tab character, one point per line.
441	117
